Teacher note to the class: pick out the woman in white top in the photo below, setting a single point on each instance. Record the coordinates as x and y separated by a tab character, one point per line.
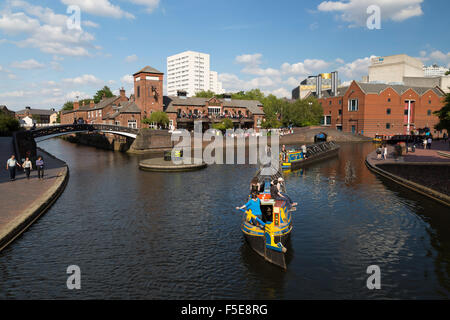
27	166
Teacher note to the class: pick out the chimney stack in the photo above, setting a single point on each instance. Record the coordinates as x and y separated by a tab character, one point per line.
182	94
91	104
319	86
122	93
334	83
76	105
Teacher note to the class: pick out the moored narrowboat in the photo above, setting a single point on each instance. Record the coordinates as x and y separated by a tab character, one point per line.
295	158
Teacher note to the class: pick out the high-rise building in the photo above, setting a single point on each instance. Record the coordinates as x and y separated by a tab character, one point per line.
189	71
434	71
392	69
214	84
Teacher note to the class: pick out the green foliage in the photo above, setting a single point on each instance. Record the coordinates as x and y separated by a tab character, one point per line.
279	112
67	106
304	112
444	115
106	91
206	94
224	125
447	73
158	117
8	124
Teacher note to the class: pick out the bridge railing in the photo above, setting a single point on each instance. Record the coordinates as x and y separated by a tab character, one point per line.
68	128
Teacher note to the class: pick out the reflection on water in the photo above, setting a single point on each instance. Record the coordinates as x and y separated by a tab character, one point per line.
138	234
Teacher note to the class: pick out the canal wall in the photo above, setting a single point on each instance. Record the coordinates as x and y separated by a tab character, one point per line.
148	140
102	141
428	178
307	134
24	201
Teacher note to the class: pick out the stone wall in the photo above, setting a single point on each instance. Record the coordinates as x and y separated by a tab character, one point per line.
435	176
149	140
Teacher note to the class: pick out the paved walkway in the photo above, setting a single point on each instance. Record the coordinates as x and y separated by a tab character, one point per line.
420	155
16	197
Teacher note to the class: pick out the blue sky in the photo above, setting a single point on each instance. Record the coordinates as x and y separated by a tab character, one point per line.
271	45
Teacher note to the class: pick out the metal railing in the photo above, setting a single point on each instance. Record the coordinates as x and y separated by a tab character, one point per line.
67	128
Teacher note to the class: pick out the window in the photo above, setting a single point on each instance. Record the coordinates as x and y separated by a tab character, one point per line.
213	110
340	101
405	112
429	101
132	124
388	125
389	99
353	105
117	123
388	111
138	91
329	103
340	111
429	112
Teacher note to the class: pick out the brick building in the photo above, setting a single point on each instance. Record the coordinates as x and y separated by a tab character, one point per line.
374	108
181	110
40	116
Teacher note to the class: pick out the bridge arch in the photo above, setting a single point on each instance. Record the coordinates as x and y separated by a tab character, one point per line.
45	133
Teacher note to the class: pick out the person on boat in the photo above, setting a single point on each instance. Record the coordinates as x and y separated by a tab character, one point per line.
283	152
304	152
254	204
276	194
279	186
255	186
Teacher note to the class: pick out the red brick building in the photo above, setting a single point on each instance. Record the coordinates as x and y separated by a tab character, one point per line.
373	108
181	110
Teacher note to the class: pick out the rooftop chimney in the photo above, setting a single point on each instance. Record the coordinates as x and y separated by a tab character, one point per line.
28	108
182	94
76	105
91	104
334	83
319	86
122	93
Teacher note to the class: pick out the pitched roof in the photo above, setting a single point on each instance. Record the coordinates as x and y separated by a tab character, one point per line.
124	107
377	88
170	103
45	112
399	88
148	69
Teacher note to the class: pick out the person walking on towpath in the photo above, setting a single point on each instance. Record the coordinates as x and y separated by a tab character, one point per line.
27	167
40	167
11	165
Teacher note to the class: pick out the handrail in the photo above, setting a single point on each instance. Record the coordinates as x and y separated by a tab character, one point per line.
80	127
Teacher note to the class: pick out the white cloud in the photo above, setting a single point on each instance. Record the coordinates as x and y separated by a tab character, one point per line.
249	59
44	30
355	11
89	24
149	4
435	57
127	79
86	79
356	69
131	58
102	8
27	64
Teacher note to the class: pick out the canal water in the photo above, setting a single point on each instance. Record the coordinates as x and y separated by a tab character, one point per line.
144	235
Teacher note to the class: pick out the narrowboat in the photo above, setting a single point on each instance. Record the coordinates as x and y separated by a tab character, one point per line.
268	236
295	158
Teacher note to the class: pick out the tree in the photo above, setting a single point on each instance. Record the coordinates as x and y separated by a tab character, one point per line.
8	124
224	125
444	115
158	117
104	92
67	106
447	73
304	112
205	94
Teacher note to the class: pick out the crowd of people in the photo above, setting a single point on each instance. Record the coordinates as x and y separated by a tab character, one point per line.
276	193
201	115
12	166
